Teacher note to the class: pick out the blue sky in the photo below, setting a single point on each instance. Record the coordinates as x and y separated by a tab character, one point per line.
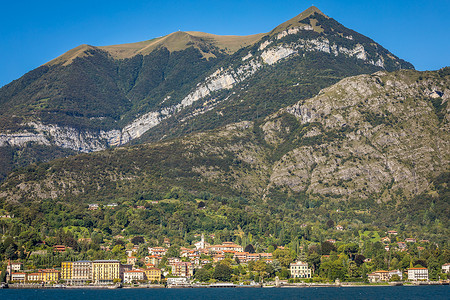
34	32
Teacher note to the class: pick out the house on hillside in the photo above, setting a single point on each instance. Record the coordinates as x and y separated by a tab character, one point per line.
93	206
401	245
158	251
386	240
131	260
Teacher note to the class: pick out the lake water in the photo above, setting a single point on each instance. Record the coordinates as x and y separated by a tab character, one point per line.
388	292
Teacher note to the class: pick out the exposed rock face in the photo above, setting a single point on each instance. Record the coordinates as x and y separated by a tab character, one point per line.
273	55
382	137
387	134
64	137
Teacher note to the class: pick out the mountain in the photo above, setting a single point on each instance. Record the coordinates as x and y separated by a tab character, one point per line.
377	142
92	98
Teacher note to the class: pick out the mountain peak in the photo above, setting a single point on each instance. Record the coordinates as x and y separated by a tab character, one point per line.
309	11
297	19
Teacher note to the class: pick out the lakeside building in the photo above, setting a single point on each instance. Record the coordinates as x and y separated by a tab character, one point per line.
382	275
66	270
18	277
396	272
300	269
446	268
50	275
133	275
378	276
77	272
34	277
177	281
105	271
43	275
183	269
415	274
82	271
153	274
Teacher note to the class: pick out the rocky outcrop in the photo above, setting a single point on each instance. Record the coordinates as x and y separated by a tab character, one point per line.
65	137
386	137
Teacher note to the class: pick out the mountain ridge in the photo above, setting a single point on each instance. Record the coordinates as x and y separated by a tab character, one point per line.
231	43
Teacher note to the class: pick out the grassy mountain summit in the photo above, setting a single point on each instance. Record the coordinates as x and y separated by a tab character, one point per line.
176	41
92	98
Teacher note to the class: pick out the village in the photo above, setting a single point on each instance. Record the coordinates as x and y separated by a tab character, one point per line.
161	268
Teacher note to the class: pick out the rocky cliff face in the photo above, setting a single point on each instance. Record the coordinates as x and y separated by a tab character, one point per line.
378	137
386	137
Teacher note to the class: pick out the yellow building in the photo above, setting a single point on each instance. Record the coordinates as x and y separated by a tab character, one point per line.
35	277
105	271
49	275
153	274
66	270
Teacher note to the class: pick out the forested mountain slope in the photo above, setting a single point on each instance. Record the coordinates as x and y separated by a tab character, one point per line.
369	139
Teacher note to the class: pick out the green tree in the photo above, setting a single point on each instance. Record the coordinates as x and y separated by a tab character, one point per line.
10	252
285	257
202	275
222	272
173	251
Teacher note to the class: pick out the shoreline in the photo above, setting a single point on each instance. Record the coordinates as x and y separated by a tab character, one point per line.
196	286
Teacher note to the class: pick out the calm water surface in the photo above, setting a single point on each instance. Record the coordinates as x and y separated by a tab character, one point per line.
413	292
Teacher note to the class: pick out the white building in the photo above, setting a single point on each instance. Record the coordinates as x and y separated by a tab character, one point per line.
300	269
202	244
417	274
180	281
14	267
226	246
396	272
446	268
130	276
159	251
18	276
